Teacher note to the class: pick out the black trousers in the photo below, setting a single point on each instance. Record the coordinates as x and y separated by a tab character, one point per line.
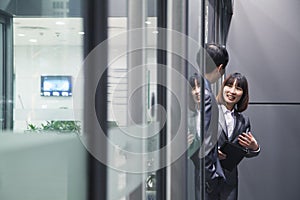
212	187
216	189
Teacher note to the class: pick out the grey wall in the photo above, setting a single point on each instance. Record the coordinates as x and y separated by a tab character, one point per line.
264	44
274	174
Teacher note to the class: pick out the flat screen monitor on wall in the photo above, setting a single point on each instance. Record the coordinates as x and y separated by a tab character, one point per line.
56	86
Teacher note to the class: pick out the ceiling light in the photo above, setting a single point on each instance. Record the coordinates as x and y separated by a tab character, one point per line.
81	33
147	22
32	40
21	34
60	23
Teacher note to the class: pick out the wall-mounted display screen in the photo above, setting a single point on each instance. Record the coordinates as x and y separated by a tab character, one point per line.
58	86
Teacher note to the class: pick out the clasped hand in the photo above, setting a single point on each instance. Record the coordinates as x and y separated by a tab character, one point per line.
248	141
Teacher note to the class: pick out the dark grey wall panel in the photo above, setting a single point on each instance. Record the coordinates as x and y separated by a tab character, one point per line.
264	44
274	174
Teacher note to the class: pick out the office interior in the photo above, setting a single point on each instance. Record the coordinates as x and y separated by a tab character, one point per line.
122	119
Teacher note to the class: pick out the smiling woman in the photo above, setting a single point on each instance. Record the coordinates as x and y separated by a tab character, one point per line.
234	92
234	129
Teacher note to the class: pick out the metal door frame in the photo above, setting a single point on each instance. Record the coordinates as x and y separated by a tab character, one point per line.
6	71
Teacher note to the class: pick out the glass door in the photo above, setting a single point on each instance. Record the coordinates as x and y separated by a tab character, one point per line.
147	73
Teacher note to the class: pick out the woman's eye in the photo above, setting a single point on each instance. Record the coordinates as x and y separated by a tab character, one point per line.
239	88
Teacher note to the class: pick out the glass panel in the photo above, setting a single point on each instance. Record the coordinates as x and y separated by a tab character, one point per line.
43	157
48	41
211	31
133	82
131	98
198	14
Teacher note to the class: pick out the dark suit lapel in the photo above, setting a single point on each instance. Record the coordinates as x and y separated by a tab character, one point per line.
237	127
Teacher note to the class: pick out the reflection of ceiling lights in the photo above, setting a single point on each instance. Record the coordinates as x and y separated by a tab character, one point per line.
48	31
67	31
60	23
33	40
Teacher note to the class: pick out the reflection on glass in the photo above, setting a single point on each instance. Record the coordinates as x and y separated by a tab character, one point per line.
131	102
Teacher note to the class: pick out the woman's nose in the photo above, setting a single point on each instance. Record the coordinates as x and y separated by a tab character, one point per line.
232	90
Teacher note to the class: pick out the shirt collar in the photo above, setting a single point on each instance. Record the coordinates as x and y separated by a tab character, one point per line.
225	110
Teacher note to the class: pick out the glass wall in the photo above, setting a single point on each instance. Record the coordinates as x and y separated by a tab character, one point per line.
39	146
148	93
99	97
148	66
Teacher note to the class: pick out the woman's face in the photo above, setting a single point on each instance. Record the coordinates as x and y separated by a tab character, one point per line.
232	94
196	92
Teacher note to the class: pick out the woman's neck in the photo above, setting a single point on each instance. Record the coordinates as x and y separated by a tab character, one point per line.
229	106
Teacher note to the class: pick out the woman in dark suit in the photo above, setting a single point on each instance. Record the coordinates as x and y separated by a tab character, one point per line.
234	127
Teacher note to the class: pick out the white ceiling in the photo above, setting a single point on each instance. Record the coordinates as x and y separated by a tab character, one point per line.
58	31
48	31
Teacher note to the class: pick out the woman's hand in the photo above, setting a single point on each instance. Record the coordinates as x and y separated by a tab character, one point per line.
190	138
222	155
247	140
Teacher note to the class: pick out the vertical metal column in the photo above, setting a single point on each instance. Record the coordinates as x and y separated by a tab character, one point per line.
6	67
95	28
202	68
161	94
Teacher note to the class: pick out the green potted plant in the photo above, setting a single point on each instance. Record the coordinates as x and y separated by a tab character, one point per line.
58	126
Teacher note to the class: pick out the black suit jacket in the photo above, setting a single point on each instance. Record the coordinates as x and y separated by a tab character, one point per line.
242	123
208	151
